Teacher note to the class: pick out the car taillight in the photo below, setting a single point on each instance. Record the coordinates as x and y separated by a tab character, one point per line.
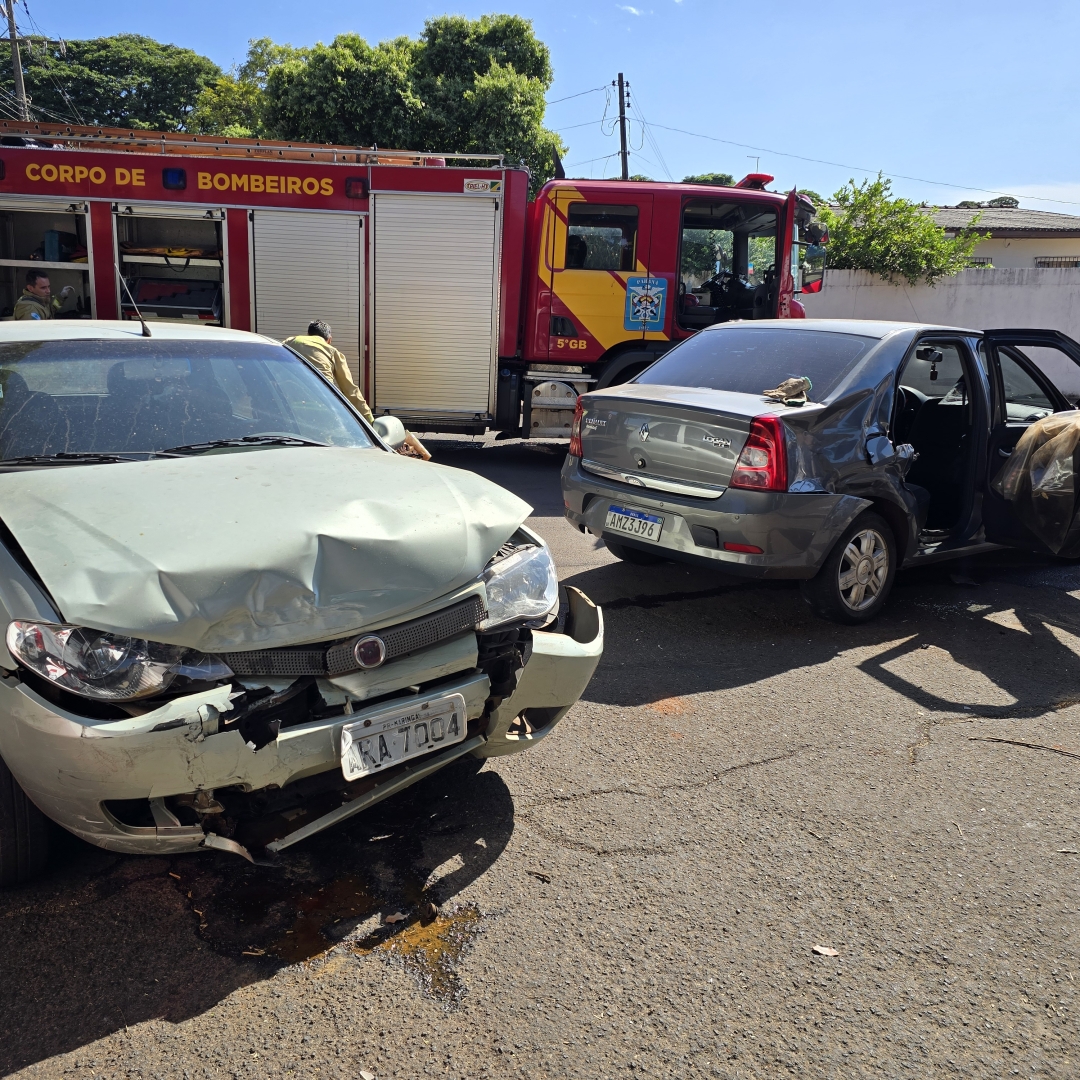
575	431
762	465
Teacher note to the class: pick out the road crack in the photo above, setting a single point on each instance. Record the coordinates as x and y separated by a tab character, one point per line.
657	791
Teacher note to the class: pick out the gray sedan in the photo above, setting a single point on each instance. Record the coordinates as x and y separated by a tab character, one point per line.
874	448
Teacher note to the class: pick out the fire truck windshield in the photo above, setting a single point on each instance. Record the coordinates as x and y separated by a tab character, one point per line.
99	397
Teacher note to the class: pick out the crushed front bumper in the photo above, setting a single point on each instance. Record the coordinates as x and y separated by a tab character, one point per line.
74	767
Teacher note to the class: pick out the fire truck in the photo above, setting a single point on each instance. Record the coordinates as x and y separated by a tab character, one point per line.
460	305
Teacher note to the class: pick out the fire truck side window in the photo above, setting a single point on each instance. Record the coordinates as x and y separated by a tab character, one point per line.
727	263
601	237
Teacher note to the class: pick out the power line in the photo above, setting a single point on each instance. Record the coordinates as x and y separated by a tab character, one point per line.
569	97
589	161
859	168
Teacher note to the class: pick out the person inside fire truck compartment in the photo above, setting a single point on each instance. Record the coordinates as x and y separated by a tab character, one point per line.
37	300
316	347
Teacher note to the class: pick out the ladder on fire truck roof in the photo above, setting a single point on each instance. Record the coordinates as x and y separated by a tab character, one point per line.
134	141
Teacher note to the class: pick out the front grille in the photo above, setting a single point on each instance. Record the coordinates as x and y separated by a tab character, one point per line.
336	658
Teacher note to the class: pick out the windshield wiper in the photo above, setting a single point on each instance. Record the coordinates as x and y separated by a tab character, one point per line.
245	440
86	457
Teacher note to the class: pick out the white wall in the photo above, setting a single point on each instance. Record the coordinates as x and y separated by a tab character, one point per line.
974	299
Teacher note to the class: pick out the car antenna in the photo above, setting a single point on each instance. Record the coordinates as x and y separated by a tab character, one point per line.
145	328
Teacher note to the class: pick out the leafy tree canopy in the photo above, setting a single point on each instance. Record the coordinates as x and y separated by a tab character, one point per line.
812	195
892	237
123	81
641	177
232	105
465	86
716	179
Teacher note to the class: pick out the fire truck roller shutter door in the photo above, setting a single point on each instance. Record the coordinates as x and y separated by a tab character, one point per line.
436	304
309	266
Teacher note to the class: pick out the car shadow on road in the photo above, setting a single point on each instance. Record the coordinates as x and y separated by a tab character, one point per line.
674	630
105	942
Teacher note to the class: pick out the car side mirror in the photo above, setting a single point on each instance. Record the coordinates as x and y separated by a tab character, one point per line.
391	430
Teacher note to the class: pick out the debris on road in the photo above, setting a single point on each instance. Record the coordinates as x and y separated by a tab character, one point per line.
365	1075
539	876
959	830
397	917
824	950
1030	745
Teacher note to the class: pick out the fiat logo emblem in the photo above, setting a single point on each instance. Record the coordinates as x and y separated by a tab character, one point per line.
370	651
644	432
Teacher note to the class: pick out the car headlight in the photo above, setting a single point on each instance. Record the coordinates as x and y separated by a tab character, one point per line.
107	667
524	585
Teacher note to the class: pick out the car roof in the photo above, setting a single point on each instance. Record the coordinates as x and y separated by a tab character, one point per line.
115	329
863	327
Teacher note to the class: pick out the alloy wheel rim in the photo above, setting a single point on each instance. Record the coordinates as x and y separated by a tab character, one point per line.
863	569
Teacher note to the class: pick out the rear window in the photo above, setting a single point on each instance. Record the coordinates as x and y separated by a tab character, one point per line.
747	360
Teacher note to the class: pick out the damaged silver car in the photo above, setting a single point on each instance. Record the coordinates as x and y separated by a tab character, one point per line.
234	616
830	451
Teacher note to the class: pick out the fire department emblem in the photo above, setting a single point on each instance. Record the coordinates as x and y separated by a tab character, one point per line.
645	302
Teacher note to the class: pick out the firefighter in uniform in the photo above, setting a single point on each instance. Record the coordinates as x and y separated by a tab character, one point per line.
37	300
316	347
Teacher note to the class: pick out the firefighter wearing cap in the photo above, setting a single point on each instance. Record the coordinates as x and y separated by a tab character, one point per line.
315	346
37	300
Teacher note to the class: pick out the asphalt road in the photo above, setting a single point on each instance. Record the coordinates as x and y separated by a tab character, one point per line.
643	894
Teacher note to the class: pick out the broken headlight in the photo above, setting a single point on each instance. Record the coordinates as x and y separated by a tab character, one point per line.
524	585
104	666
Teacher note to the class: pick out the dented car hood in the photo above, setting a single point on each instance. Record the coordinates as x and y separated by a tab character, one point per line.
262	548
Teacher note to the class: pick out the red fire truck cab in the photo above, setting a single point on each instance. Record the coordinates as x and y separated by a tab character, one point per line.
460	305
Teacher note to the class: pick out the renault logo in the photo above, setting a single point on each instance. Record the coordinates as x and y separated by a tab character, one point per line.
644	432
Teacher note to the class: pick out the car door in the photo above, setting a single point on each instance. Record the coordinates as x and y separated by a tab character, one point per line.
1032	373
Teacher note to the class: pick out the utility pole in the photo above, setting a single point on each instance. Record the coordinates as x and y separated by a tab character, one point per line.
622	126
16	63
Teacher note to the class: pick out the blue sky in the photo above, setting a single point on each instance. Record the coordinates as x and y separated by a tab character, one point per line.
975	93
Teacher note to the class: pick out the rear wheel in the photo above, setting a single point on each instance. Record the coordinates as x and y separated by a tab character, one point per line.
853	583
24	833
633	555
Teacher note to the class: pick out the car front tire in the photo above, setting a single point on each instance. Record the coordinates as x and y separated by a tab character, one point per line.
858	574
24	833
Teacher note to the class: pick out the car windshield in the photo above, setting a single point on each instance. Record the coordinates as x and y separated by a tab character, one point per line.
750	360
92	396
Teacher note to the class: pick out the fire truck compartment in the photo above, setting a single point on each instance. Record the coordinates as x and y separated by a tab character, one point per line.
50	236
172	260
309	265
436	307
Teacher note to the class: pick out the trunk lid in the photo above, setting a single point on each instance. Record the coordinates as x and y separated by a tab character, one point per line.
684	440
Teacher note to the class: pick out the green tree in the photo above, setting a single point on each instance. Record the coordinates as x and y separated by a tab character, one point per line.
812	195
892	237
466	86
232	105
123	81
716	179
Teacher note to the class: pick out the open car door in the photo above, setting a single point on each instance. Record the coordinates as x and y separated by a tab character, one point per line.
1033	374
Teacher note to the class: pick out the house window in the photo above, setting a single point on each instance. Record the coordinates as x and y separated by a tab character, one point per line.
1048	261
981	261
